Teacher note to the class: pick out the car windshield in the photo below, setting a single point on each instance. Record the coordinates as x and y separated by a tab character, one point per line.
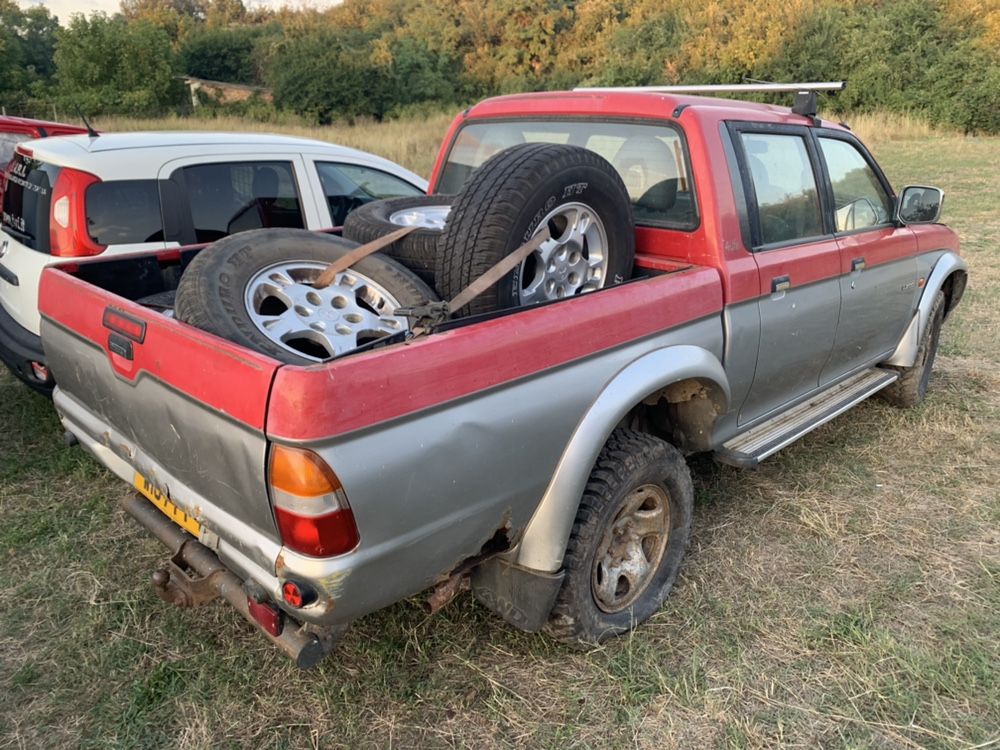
650	159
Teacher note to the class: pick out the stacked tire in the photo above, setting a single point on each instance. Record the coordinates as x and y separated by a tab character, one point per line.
256	288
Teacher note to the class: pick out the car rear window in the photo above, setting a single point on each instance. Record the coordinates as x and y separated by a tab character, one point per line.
231	197
124	212
27	196
651	160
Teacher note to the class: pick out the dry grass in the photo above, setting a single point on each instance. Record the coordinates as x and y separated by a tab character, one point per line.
847	595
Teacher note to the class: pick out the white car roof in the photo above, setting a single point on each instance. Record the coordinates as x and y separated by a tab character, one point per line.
140	155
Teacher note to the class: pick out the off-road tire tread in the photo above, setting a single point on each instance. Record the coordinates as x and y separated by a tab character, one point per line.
484	210
623	454
417	250
906	392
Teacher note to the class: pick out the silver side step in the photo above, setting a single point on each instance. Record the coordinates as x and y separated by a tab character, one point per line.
751	447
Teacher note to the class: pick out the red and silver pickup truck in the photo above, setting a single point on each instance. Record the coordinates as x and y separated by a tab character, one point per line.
539	450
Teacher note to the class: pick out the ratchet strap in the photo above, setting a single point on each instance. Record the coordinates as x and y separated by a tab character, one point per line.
424	317
329	274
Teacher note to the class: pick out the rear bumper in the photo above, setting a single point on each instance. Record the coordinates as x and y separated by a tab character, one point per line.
19	347
304	647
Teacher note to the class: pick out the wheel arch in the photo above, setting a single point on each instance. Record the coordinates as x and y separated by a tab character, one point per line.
949	275
682	373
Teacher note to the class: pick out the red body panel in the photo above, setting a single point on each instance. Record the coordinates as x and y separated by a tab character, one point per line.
802	264
876	247
227	377
37	128
316	402
714	243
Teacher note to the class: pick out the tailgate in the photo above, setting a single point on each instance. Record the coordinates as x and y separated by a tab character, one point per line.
182	407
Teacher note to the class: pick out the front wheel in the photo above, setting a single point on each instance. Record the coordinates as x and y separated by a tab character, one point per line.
911	387
627	543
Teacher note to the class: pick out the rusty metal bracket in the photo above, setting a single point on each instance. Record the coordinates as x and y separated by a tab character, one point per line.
177	584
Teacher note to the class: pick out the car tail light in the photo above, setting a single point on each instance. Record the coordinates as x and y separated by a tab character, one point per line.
310	506
69	235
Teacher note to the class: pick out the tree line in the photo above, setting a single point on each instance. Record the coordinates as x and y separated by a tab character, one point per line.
939	59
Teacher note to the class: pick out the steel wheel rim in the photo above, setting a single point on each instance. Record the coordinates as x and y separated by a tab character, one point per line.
574	261
318	324
631	549
428	217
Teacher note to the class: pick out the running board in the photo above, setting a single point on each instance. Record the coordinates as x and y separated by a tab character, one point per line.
749	448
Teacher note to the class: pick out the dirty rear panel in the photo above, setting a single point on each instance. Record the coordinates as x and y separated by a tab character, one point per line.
183	407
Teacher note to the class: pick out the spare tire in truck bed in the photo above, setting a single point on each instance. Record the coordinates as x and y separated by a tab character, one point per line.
256	289
417	250
577	194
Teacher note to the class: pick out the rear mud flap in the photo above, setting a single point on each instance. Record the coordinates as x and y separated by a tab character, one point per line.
521	596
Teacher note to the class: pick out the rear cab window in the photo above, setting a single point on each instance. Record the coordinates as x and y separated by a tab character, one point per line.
651	159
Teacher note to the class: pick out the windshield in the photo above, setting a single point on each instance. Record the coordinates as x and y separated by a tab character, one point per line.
650	159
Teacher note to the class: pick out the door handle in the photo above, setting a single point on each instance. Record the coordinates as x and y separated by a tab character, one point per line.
780	284
858	264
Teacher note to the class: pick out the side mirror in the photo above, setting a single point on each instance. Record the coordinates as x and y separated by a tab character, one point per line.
919	204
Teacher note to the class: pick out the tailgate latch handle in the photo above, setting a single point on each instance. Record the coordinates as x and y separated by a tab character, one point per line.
118	344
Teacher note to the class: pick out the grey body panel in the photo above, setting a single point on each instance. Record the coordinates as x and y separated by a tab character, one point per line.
797	329
154	427
430	489
876	306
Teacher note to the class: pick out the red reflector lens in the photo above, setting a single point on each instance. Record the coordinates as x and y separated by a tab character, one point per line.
124	324
326	535
40	371
267	615
292	594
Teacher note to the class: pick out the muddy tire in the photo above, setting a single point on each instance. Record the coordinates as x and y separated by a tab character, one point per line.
255	289
417	250
628	540
578	194
911	387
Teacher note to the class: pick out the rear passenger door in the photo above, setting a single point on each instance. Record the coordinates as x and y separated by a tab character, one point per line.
798	262
205	199
878	266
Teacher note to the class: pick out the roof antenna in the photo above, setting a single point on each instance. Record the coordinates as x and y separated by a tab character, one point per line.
90	131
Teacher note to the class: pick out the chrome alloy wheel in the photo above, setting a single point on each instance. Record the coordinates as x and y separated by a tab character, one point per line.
574	261
631	549
319	323
428	217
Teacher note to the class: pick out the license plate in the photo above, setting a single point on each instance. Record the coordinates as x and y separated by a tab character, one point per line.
162	501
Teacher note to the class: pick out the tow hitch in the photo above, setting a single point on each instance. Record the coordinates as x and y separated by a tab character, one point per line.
195	575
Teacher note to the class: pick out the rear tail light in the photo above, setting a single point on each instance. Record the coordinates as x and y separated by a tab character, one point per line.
310	506
69	235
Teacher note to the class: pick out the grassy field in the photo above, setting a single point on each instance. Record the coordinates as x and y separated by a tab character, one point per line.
847	595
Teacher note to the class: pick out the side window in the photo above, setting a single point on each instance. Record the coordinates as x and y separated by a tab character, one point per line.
348	186
123	212
859	199
233	197
788	205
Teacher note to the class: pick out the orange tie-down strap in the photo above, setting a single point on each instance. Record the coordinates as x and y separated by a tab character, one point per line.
434	312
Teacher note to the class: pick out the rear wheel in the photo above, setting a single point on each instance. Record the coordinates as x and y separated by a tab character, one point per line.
911	387
627	543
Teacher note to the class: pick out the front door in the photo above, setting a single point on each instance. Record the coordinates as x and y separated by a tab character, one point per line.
878	264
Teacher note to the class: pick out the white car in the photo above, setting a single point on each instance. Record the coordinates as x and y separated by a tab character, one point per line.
75	196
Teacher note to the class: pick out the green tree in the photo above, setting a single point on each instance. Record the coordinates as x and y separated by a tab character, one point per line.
27	40
105	65
223	53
